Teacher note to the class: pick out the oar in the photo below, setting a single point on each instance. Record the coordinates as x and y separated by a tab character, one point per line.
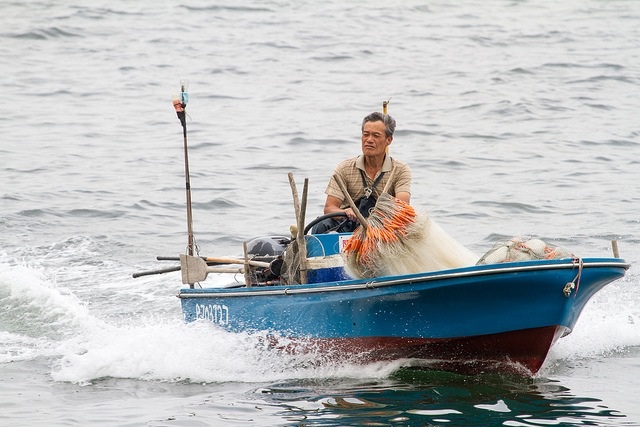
219	260
152	272
178	268
214	261
209	261
195	269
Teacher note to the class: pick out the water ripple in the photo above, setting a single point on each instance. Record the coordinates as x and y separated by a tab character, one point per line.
45	34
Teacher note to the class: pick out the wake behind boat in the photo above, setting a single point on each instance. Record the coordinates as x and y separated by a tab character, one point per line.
411	294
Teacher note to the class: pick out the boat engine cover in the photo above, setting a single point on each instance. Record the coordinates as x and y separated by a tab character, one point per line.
268	245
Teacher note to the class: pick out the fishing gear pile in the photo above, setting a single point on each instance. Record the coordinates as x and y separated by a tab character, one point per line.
523	249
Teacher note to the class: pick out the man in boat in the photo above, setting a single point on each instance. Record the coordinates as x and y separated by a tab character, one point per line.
365	177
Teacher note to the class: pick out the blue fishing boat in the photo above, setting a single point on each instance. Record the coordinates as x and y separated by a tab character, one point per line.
492	317
414	295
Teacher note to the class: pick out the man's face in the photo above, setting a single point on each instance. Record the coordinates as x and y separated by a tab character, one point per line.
374	139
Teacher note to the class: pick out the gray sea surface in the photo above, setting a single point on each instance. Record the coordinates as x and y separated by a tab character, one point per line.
517	118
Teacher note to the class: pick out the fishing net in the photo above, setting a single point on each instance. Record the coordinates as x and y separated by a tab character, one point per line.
399	241
523	249
290	272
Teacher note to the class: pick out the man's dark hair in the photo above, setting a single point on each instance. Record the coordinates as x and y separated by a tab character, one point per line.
389	122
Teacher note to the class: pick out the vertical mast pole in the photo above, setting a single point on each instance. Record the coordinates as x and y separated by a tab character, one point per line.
180	105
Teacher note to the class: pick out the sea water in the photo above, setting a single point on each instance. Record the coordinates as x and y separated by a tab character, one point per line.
516	117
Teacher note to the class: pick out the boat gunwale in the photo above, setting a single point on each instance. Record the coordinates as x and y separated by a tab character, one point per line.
373	283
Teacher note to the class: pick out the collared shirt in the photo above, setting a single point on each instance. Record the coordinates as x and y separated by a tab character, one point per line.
349	171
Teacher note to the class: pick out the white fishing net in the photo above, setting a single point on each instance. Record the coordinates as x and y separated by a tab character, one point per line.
523	249
414	244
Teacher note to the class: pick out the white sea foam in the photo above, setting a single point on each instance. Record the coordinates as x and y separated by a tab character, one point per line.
195	352
608	324
35	306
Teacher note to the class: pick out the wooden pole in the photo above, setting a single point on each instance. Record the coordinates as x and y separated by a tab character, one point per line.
247	268
343	187
388	184
180	104
302	243
217	260
161	271
220	260
300	240
614	246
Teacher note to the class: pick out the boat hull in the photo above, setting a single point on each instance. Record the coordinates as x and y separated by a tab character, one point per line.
521	352
465	319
